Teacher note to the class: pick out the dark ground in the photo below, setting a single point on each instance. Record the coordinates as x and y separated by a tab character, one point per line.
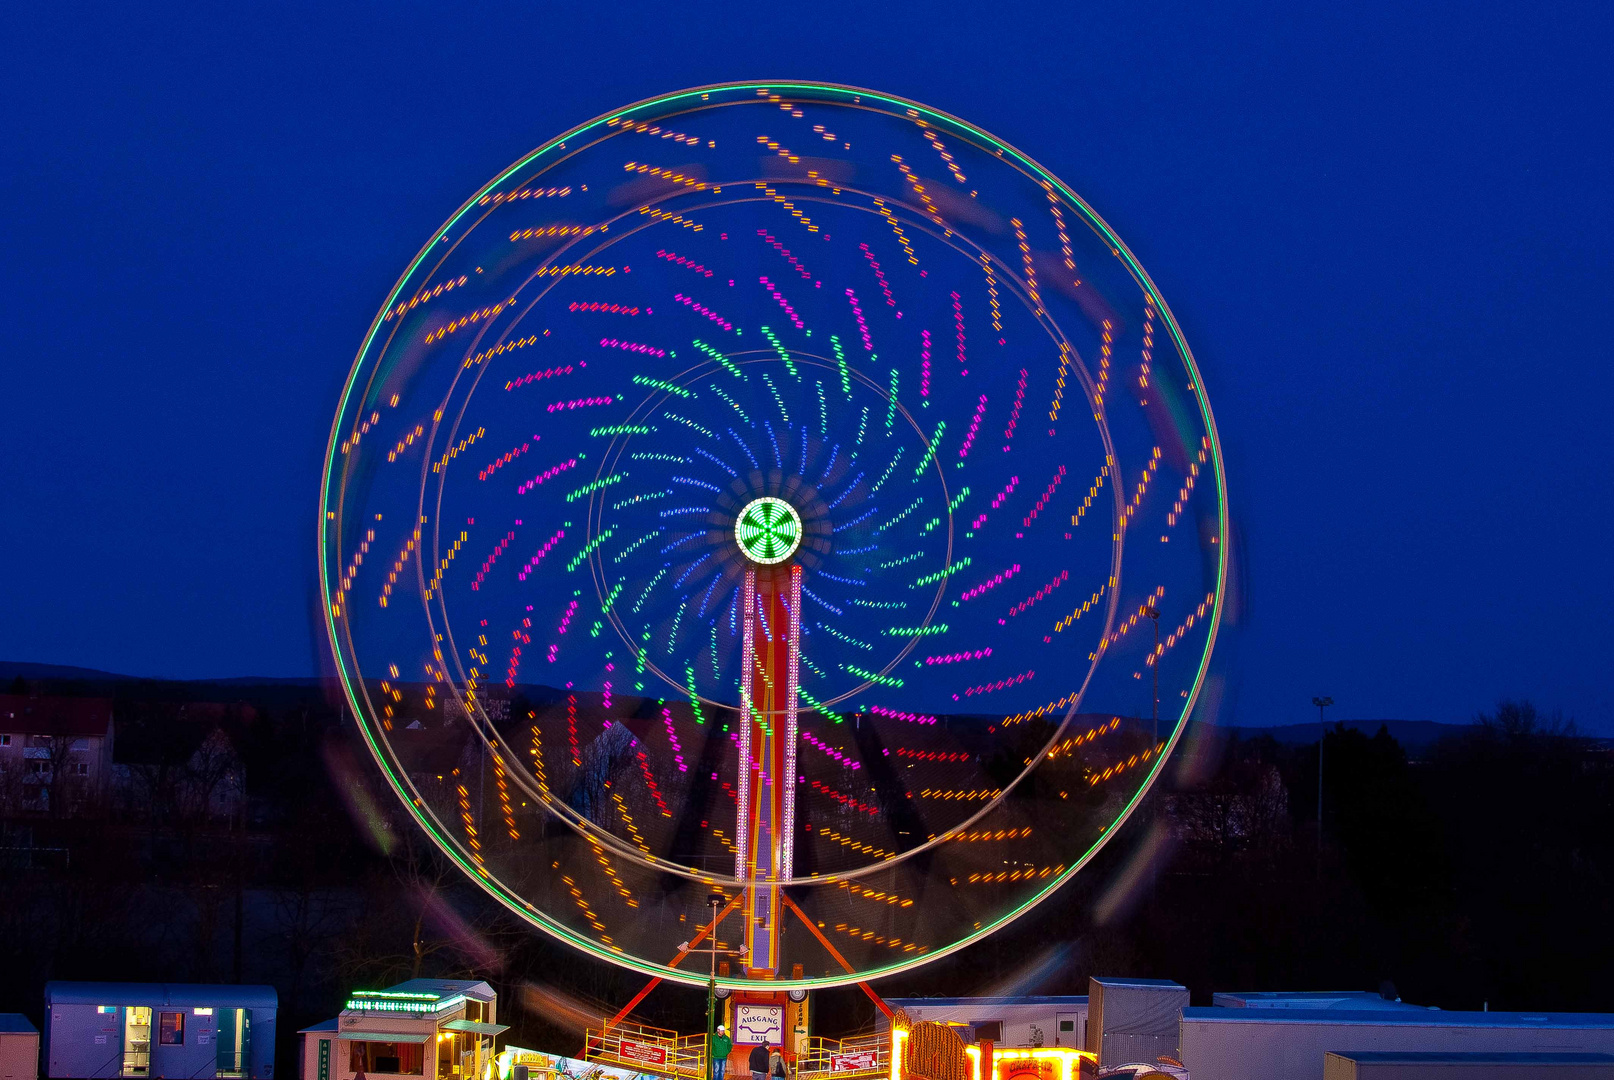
1479	871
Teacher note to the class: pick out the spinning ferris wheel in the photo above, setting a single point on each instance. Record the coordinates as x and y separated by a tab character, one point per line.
782	491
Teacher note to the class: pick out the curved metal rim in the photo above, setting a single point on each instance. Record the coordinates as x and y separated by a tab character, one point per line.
527	911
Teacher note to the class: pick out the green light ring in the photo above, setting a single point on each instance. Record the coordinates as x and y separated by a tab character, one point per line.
521	907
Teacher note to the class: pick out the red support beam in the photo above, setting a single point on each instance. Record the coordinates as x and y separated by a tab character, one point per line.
833	951
682	952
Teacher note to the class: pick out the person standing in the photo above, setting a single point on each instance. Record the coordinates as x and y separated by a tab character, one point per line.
776	1064
759	1062
722	1045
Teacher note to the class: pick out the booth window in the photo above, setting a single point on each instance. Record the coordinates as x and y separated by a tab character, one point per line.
171	1028
384	1057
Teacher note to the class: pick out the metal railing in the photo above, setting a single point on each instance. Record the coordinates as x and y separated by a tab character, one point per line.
643	1048
859	1056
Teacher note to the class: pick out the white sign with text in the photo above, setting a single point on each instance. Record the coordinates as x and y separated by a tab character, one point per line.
759	1024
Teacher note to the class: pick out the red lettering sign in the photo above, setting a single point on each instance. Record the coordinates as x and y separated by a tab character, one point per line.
646	1053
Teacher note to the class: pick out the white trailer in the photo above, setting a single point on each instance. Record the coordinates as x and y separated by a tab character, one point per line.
1290	1043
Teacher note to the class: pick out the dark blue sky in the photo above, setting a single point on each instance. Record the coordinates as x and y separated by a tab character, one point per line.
1385	231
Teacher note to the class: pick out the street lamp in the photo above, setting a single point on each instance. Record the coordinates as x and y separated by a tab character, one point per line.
1322	703
715	900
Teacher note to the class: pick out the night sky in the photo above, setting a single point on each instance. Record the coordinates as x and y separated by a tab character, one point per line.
1386	232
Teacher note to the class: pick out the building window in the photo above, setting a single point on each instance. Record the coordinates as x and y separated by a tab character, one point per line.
408	1059
5	740
83	768
171	1028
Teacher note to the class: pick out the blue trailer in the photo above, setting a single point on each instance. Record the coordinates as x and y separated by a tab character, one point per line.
154	1030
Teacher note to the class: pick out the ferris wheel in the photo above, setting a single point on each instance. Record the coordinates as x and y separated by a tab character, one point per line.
783	492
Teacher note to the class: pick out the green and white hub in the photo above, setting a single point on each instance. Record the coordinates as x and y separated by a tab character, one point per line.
768	530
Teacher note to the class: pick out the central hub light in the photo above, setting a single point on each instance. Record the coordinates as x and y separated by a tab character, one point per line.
768	530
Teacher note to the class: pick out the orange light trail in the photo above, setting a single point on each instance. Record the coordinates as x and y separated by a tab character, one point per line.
571	271
935	141
1188	484
1092	493
423	296
1059	226
653	129
1030	873
855	845
1122	766
406	442
1025	259
1087	605
987	835
353	568
873	894
1149	471
1121	631
363	429
398	565
553	230
504	798
992	293
787	204
1067	745
466	320
437	576
870	935
457	449
1105	346
469	824
666	215
666	174
919	190
1065	357
1177	634
780	150
902	237
524	193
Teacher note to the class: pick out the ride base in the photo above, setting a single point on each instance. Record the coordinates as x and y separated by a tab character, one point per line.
904	1051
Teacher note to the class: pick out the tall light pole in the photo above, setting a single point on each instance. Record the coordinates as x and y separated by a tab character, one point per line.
715	900
1322	703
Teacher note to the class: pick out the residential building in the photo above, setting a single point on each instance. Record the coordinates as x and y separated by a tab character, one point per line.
181	772
56	754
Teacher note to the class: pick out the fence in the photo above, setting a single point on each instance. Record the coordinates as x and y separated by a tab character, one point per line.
643	1048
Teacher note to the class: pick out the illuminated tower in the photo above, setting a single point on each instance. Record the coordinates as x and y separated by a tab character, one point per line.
768	531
